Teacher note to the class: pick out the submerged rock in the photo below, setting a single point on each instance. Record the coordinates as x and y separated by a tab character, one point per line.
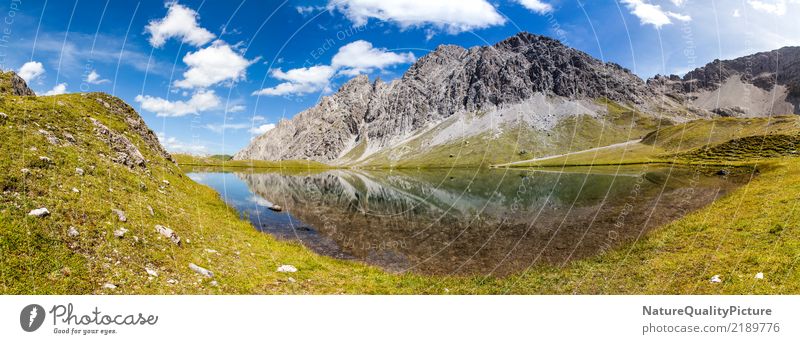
200	270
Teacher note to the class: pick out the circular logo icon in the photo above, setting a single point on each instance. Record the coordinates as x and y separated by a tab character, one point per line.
31	317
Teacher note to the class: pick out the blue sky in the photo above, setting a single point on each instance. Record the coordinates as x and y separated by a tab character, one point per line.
210	75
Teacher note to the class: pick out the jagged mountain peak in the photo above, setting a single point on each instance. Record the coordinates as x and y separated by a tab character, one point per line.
524	40
448	81
452	82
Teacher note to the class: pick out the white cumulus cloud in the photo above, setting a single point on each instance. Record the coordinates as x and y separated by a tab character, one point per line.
220	127
261	129
352	59
30	71
453	16
537	6
212	65
650	14
94	78
58	89
174	145
299	81
774	7
181	23
236	108
199	102
361	57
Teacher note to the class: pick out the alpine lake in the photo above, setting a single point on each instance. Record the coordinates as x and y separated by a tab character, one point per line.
466	221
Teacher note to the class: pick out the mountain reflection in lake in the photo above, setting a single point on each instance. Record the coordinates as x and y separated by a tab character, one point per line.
465	221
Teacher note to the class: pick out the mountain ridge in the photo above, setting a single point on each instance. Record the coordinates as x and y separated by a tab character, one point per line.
364	118
450	80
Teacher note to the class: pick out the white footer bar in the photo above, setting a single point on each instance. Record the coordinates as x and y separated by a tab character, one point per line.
399	319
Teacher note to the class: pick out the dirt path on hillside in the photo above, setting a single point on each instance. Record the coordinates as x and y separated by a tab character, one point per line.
567	154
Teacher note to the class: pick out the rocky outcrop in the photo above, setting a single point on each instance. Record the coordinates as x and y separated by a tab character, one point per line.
133	120
447	81
765	83
12	84
125	152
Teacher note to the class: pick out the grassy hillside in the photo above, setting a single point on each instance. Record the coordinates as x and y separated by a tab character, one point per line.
214	160
520	141
74	250
717	141
63	162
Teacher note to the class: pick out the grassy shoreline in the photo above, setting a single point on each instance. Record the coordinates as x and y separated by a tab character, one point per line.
190	160
753	229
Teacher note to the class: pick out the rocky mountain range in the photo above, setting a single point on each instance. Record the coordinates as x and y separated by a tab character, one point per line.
455	93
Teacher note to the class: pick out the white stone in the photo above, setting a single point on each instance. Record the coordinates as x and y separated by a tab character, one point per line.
716	279
73	232
760	275
151	272
41	212
201	270
286	268
79	171
120	215
109	286
119	233
75	190
169	233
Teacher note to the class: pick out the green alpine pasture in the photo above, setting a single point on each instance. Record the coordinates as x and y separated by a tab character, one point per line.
75	250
